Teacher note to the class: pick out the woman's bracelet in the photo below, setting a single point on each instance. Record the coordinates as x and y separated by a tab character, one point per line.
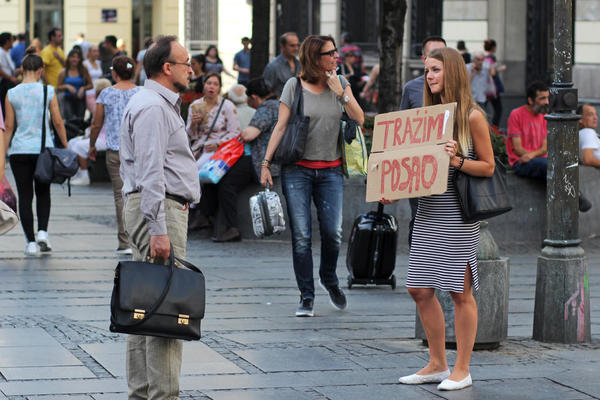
266	163
462	161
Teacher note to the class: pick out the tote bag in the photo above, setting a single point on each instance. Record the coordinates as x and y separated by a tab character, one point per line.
224	158
292	145
481	197
354	154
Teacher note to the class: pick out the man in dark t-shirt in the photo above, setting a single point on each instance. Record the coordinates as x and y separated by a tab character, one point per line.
241	62
110	46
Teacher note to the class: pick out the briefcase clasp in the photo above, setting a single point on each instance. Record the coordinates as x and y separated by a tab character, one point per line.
183	319
138	314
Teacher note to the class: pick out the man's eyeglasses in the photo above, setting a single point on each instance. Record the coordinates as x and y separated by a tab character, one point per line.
329	53
187	64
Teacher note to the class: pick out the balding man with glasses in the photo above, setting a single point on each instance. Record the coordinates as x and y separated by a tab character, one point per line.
160	180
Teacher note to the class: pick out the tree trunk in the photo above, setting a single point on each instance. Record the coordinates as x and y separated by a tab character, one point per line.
259	54
392	16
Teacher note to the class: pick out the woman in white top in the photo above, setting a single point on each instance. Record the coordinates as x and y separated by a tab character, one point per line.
94	67
26	111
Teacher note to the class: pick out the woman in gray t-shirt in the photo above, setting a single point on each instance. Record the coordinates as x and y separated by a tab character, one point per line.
318	176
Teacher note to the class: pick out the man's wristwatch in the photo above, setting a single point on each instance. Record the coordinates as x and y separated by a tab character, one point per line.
344	99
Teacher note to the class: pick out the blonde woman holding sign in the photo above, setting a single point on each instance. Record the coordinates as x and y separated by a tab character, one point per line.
443	254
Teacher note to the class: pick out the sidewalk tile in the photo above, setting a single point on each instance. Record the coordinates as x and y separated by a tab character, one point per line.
362	392
36	356
13	337
15	374
280	360
57	387
197	359
61	397
584	378
266	394
514	389
301	336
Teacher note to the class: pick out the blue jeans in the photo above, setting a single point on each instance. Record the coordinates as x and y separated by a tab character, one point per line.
325	187
536	168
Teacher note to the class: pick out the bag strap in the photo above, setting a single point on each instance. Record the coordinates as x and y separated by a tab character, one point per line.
298	103
343	109
44	119
212	126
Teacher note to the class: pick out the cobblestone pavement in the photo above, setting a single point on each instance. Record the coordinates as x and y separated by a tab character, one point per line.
55	343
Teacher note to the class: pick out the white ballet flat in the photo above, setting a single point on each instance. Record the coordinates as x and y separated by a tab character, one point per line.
447	384
415	379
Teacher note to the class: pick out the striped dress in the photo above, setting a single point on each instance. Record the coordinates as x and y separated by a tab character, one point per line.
442	244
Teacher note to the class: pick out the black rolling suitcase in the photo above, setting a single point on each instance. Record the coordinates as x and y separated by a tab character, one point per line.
371	257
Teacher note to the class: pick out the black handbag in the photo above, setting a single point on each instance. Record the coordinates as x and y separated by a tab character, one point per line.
158	300
292	145
481	197
54	165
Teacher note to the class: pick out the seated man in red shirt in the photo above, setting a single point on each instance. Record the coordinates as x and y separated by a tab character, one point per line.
527	145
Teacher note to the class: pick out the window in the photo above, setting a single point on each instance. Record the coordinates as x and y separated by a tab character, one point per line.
201	24
47	14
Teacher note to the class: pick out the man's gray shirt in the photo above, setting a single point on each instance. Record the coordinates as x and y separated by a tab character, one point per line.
155	153
278	71
412	94
479	82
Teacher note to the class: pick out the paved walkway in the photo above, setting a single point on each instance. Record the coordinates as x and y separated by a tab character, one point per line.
55	343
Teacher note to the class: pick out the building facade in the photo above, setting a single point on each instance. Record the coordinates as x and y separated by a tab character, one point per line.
522	28
197	23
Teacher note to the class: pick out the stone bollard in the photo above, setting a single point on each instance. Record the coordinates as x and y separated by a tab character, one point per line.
491	298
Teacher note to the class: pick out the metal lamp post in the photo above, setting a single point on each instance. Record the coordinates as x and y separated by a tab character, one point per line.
562	297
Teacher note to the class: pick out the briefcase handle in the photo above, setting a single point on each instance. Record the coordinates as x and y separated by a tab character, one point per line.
163	295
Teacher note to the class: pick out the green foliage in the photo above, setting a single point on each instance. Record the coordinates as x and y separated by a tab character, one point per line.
498	138
368	131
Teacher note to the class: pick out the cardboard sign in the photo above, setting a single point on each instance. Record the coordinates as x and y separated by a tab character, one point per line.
407	157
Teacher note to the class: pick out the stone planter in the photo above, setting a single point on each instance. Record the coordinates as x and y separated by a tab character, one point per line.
491	298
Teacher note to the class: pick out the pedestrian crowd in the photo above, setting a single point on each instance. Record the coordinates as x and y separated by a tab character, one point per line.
160	119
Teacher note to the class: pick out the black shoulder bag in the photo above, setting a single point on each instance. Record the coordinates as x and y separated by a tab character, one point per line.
54	165
158	300
481	197
292	145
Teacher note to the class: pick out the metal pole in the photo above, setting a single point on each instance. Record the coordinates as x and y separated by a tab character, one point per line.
562	297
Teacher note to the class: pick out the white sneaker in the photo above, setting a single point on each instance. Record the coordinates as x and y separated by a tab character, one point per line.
124	252
81	178
42	240
31	249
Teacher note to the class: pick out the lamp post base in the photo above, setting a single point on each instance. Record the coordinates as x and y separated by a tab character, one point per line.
562	296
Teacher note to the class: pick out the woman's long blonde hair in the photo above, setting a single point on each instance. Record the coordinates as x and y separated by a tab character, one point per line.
457	88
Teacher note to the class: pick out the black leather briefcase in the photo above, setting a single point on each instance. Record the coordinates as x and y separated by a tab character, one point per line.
158	300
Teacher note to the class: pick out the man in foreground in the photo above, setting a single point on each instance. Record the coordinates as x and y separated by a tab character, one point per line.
159	181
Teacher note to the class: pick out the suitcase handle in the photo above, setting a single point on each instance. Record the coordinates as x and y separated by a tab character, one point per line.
379	211
266	216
